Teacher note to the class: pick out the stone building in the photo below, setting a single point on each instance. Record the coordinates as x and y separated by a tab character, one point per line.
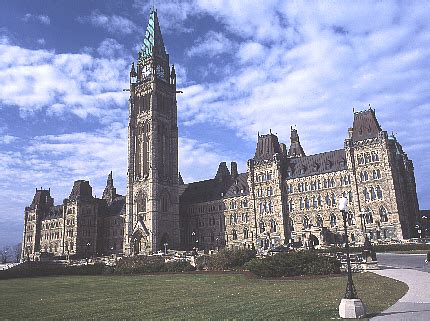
83	226
284	195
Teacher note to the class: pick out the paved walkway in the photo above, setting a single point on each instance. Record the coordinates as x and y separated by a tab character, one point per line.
415	305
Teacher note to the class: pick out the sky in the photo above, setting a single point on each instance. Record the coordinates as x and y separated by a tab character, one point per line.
244	67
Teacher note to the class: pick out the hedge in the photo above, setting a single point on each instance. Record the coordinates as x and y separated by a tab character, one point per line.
381	248
225	260
293	264
150	264
32	269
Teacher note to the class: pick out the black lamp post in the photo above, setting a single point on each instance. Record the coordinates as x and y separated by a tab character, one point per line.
87	250
217	244
350	306
350	289
165	248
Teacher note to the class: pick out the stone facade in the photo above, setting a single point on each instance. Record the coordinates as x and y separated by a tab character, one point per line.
152	211
284	195
83	226
292	197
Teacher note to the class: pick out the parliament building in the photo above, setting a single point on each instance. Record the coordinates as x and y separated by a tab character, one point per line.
284	196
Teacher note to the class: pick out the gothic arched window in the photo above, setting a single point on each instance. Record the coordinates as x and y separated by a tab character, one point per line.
320	221
234	234
383	214
305	222
333	220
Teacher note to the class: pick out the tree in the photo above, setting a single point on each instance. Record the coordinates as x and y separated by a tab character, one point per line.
5	251
17	249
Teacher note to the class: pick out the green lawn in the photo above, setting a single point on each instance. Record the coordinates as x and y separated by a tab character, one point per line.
185	296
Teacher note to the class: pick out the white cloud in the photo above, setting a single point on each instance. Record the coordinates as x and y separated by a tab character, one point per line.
37	79
199	160
112	23
173	14
211	45
44	19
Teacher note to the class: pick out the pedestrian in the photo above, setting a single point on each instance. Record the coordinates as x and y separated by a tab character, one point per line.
428	257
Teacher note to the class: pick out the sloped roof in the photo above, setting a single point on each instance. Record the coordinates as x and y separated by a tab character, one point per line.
153	38
215	189
317	164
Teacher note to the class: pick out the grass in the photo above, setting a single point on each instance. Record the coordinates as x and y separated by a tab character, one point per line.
189	296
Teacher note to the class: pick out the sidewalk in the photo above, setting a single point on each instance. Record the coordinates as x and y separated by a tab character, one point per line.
415	305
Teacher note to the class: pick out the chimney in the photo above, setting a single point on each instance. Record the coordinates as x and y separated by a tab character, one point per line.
233	167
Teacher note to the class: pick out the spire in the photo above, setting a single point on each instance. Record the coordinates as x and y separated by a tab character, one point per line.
153	43
109	194
296	149
110	180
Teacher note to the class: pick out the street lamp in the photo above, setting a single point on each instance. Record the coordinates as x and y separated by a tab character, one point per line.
165	248
217	244
350	306
87	249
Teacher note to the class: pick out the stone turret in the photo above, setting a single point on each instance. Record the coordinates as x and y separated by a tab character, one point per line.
296	149
109	194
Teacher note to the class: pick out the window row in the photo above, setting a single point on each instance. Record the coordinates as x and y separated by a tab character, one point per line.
372	193
317	201
266	207
366	158
263	177
364	176
234	218
317	185
261	192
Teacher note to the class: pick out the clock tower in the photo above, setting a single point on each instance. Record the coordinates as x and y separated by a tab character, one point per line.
152	209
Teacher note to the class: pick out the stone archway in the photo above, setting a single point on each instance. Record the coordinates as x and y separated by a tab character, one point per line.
139	242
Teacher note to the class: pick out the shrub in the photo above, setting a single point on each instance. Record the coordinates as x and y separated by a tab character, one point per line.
139	264
225	260
293	264
32	269
150	264
178	266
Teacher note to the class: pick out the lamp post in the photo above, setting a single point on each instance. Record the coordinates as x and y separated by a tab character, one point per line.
165	248
87	249
217	244
350	306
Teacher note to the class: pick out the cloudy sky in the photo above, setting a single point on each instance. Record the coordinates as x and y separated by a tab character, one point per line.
244	66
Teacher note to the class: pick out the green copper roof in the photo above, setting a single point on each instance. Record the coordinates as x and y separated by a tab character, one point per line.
153	37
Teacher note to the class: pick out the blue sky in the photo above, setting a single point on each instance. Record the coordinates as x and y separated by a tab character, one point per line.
244	67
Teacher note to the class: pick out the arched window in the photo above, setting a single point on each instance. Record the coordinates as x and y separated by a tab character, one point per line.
327	200
372	194
305	222
369	217
291	223
262	227
245	232
333	220
307	203
366	194
273	226
350	219
333	199
314	201
383	214
379	192
320	221
234	234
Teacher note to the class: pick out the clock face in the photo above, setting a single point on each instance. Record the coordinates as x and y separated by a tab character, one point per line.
160	72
